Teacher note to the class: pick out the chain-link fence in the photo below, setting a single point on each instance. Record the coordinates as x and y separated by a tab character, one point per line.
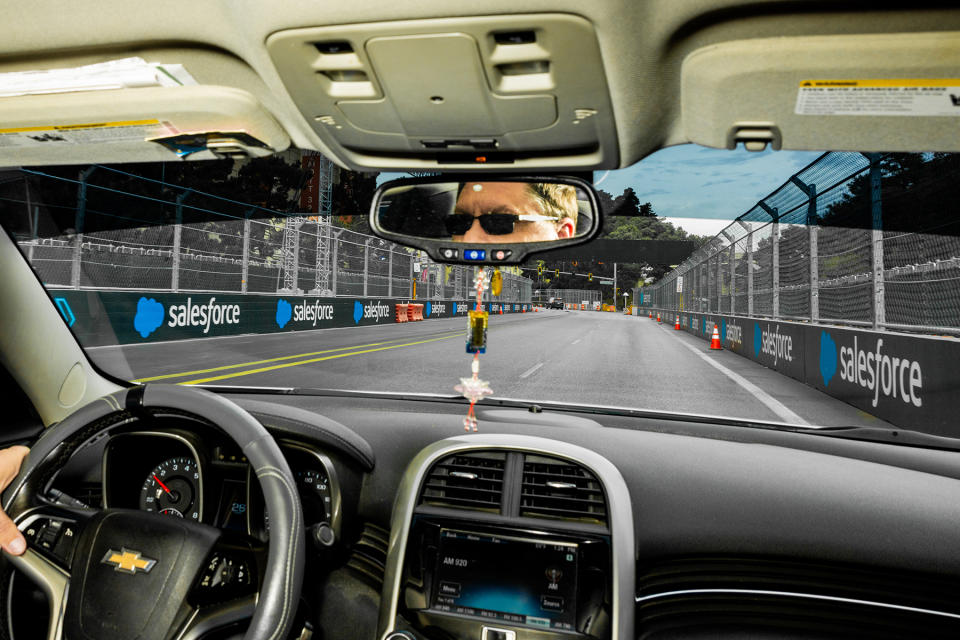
271	253
856	239
589	297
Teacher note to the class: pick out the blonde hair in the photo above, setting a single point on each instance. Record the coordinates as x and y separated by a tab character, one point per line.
556	200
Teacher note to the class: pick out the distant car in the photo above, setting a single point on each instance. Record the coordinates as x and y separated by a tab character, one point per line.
556	303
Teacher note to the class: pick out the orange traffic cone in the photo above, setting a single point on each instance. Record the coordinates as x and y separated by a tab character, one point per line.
676	324
650	315
715	340
659	321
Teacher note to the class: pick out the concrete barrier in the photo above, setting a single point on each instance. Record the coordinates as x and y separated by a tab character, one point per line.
130	317
908	380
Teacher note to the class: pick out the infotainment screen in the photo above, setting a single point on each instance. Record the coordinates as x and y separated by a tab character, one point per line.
515	580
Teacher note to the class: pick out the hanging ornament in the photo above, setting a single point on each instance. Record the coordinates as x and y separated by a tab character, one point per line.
473	388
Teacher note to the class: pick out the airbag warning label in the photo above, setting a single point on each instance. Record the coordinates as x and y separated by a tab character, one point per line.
894	97
88	133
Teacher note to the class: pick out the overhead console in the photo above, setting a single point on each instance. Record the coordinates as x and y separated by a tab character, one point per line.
454	93
509	538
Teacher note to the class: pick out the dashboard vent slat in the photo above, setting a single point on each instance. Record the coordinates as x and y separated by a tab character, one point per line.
558	489
471	480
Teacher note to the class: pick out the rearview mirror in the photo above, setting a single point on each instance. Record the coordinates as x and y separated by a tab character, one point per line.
483	220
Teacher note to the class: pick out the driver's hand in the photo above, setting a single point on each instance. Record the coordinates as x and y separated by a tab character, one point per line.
10	537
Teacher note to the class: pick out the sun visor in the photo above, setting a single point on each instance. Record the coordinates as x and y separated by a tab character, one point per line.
454	93
136	125
853	92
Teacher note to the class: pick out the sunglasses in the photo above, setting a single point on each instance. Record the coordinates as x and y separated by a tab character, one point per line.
495	224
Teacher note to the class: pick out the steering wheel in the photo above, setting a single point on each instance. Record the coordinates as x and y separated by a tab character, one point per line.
118	573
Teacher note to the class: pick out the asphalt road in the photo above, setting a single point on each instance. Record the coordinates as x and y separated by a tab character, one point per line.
580	357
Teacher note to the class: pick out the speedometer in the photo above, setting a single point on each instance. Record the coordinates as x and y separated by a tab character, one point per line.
173	489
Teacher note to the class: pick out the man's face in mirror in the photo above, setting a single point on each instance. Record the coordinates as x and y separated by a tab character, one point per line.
505	212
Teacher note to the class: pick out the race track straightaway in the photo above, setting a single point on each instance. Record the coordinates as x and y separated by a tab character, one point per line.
579	357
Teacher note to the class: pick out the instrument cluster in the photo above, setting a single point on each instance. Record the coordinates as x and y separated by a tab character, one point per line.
177	474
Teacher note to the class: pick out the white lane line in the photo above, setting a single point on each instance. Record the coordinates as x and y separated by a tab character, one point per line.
772	403
530	370
576	341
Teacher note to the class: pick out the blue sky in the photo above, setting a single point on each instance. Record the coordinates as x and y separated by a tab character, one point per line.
697	187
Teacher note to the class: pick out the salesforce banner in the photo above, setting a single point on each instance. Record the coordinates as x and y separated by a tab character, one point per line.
910	381
907	380
123	317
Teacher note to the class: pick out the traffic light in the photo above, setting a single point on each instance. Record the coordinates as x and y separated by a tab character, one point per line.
496	283
539	269
589	277
557	271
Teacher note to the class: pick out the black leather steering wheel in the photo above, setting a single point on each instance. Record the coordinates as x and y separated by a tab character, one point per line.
137	575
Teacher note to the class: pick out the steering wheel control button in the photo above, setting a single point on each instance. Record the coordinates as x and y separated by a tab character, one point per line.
501	254
225	576
52	537
490	633
449	253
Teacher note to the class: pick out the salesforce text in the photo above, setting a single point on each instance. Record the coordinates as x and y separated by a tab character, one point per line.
894	377
203	315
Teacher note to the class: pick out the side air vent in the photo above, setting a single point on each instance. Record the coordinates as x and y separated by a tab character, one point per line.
369	557
561	490
471	481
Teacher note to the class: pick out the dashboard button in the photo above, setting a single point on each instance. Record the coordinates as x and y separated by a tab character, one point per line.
451	589
489	633
551	603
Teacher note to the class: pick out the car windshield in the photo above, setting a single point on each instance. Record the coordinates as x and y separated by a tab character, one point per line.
809	288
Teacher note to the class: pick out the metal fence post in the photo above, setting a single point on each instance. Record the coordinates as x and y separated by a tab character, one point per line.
390	274
177	239
245	258
733	276
811	192
719	282
876	210
775	248
814	230
438	285
335	240
321	277
366	265
81	214
749	231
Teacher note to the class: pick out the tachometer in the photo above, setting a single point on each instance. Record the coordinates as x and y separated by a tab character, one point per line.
173	488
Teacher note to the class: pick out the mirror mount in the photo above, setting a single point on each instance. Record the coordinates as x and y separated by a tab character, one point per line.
424	212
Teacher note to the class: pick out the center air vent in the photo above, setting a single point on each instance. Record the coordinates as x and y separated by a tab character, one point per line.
562	490
466	481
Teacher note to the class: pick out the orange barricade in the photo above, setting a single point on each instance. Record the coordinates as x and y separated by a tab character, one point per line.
411	312
401	312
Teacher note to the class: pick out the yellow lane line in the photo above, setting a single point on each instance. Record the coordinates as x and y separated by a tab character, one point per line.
459	334
255	362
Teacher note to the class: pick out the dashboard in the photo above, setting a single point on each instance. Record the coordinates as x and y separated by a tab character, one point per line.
561	525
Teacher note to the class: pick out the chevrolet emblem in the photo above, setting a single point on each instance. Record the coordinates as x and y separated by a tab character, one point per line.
128	561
